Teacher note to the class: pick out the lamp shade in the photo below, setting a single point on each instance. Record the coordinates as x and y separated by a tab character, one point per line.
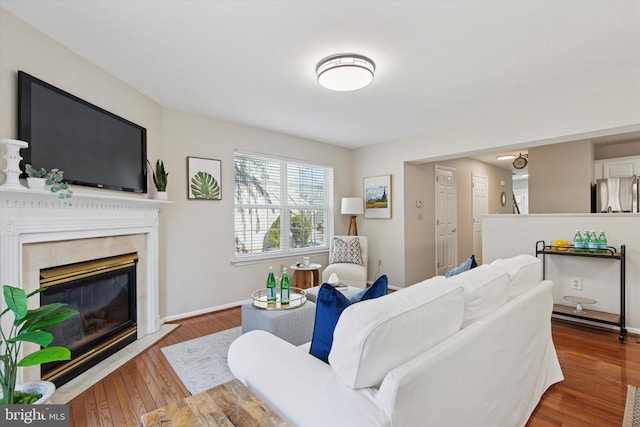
352	206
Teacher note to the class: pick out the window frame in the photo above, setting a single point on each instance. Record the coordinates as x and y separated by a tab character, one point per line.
285	208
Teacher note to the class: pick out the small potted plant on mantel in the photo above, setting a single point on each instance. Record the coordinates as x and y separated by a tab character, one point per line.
159	180
38	179
29	326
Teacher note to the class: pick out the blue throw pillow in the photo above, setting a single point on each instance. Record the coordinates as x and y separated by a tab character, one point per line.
330	304
465	265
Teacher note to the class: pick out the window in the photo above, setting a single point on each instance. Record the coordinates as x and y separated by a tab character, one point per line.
282	206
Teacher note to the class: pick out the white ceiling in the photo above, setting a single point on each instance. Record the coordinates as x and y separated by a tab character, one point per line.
439	63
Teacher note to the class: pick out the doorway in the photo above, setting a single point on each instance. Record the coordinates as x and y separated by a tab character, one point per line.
480	207
446	220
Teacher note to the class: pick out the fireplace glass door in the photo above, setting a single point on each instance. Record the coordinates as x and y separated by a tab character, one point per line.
104	294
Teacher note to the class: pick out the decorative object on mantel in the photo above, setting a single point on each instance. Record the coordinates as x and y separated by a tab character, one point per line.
28	326
159	180
377	193
352	206
12	158
38	179
204	178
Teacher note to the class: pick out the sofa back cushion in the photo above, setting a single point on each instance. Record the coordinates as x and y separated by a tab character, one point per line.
525	271
376	336
485	289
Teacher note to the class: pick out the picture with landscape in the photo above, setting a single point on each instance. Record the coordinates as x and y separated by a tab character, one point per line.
377	193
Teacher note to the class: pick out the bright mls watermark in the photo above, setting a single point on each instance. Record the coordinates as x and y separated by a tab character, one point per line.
34	415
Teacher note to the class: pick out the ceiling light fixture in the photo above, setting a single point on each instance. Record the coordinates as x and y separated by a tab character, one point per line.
506	157
345	72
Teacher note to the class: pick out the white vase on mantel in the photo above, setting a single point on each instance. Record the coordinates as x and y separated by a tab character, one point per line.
160	195
12	160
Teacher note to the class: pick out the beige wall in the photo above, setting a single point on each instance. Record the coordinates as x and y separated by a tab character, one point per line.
560	177
419	231
612	151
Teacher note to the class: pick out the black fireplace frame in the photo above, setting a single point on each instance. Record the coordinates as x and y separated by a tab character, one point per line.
96	350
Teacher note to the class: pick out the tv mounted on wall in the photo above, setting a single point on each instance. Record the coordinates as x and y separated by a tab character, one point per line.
92	146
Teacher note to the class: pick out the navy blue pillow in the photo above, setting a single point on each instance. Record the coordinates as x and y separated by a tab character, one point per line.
465	265
330	304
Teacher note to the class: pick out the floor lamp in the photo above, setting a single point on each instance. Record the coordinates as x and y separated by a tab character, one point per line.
352	206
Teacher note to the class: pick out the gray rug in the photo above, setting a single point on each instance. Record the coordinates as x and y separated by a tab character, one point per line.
632	408
201	363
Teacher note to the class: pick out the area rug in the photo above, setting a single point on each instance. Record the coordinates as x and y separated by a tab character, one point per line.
632	408
201	363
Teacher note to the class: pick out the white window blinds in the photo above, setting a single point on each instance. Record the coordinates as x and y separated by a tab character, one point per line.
281	205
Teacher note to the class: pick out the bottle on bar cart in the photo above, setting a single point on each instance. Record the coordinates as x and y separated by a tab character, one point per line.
593	242
577	242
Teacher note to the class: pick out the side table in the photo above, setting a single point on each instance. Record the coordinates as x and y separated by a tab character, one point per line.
230	403
306	276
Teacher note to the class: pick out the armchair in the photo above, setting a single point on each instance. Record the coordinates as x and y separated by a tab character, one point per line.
340	260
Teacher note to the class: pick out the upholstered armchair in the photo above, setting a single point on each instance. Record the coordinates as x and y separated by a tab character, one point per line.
348	260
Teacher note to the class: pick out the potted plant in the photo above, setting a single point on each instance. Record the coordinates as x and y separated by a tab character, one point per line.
40	178
28	326
159	179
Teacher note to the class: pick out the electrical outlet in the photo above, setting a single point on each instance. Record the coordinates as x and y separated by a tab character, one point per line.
576	283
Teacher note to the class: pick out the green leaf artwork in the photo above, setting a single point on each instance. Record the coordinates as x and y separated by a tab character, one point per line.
204	186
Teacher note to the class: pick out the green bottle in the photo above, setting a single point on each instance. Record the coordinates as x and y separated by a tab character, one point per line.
577	242
285	288
593	242
271	287
602	243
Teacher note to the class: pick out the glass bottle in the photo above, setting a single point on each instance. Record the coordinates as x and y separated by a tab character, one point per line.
285	288
271	287
577	242
602	243
593	242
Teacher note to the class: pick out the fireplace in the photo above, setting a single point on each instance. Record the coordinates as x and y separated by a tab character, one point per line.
103	291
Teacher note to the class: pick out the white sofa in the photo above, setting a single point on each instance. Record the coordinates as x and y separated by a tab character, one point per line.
472	350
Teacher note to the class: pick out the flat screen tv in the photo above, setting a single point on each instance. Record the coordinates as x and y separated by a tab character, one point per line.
92	146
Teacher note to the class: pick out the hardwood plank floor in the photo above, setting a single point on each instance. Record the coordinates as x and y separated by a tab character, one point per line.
596	367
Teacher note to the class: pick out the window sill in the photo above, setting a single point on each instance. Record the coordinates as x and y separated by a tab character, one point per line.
261	259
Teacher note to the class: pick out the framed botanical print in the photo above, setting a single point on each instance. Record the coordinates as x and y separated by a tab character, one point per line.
203	179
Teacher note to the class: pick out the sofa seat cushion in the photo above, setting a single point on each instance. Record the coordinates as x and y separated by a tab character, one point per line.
525	271
330	303
378	335
485	289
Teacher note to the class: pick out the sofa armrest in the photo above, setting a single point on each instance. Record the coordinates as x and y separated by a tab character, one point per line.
301	388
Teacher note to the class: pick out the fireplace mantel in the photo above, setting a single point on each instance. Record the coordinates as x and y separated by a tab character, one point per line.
32	216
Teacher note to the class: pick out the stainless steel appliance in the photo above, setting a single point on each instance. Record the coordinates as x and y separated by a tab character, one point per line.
618	194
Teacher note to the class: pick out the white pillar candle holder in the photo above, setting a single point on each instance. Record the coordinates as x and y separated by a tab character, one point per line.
12	159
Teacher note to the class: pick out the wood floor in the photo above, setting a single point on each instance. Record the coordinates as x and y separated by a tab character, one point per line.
596	367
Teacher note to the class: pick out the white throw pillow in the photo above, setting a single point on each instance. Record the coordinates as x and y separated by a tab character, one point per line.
375	336
346	252
525	271
485	289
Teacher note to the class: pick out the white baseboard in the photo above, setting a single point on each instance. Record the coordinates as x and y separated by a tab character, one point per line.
203	311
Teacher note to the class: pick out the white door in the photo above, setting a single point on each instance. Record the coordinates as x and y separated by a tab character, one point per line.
446	220
480	207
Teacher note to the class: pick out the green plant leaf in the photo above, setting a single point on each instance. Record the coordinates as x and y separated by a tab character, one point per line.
41	338
205	186
49	320
43	310
16	300
46	355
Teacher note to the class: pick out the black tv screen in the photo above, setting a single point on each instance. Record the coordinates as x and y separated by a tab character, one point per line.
92	146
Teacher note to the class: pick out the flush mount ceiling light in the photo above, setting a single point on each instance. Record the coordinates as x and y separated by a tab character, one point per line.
345	72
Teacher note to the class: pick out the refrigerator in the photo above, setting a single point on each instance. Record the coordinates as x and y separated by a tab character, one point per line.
618	194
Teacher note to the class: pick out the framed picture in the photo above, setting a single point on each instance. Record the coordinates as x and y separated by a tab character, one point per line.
203	179
377	196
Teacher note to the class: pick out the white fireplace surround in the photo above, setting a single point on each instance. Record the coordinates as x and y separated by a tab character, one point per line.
36	226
